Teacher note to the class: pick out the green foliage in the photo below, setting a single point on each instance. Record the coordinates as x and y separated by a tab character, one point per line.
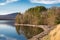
58	19
37	9
40	15
18	18
54	16
33	15
51	17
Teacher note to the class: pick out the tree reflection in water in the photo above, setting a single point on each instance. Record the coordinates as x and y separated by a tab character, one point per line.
28	31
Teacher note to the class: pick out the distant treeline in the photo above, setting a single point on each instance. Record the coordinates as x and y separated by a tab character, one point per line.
40	15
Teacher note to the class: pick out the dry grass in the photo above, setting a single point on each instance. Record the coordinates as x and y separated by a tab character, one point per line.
54	34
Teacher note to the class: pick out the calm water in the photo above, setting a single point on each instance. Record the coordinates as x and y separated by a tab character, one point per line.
8	31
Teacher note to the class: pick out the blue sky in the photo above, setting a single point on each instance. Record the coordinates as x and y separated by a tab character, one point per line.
12	6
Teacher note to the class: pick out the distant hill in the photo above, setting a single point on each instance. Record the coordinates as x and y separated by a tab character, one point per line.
8	16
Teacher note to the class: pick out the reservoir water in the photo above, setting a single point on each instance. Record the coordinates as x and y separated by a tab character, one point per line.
8	31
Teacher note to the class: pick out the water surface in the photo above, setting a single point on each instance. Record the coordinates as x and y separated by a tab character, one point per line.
8	31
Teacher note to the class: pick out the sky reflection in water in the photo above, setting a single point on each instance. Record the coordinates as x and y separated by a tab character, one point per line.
8	31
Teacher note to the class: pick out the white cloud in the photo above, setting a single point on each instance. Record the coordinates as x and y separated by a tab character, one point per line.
46	1
8	1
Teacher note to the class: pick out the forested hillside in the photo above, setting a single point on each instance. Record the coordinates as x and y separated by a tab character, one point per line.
40	15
